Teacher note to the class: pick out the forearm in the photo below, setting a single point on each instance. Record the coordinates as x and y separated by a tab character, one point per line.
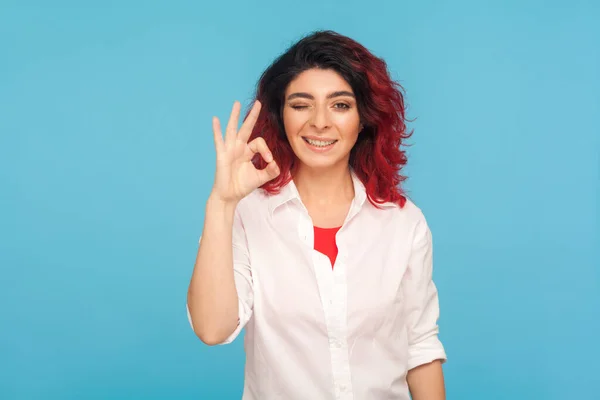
426	382
212	297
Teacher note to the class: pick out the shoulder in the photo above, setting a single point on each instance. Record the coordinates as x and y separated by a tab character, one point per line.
410	212
421	231
409	218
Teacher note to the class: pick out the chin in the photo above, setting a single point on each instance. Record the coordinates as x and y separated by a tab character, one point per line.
320	162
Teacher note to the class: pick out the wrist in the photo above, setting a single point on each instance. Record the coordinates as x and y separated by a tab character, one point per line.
219	205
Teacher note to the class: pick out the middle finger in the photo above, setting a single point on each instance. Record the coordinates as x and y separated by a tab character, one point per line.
248	124
232	124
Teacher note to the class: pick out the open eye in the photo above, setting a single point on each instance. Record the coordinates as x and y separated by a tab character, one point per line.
341	106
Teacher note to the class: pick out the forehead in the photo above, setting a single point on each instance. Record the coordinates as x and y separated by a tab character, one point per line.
318	81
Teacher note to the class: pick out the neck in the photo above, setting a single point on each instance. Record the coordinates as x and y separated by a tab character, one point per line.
324	187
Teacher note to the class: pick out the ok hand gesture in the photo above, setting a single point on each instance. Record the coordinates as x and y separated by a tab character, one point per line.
236	176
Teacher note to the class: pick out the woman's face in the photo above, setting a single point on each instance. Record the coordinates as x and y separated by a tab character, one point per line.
321	118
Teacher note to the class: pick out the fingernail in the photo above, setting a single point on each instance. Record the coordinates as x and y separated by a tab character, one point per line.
269	157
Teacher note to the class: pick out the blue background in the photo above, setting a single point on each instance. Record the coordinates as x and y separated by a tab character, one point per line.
106	160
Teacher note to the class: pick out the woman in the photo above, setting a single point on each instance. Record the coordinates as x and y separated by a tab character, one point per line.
308	241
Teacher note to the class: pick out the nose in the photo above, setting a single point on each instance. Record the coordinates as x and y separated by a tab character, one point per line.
320	118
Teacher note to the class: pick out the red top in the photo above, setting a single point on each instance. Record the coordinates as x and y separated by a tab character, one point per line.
325	242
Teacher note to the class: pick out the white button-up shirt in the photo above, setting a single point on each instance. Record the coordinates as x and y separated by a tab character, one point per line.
351	332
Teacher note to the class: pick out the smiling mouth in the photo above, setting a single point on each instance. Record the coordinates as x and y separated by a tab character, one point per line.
319	143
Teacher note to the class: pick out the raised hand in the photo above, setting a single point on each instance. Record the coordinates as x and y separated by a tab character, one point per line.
236	176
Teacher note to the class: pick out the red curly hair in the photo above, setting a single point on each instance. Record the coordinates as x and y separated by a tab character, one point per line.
377	157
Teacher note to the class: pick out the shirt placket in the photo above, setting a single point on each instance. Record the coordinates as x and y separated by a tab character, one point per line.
335	314
333	293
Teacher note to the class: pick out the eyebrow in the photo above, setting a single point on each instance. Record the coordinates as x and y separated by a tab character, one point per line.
302	95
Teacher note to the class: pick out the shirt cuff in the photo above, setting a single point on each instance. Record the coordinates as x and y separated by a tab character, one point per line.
426	351
243	317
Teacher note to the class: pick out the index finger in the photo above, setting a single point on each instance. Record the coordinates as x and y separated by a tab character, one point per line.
248	125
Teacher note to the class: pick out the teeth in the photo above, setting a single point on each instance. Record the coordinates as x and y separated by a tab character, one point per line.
320	143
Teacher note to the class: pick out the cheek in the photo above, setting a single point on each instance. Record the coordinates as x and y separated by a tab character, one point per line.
292	122
348	124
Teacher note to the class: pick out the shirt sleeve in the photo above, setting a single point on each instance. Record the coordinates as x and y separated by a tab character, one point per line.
421	299
243	278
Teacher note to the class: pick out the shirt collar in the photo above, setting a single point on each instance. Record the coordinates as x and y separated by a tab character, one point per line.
290	193
287	193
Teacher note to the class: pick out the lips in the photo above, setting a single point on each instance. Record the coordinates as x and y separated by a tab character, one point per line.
319	142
